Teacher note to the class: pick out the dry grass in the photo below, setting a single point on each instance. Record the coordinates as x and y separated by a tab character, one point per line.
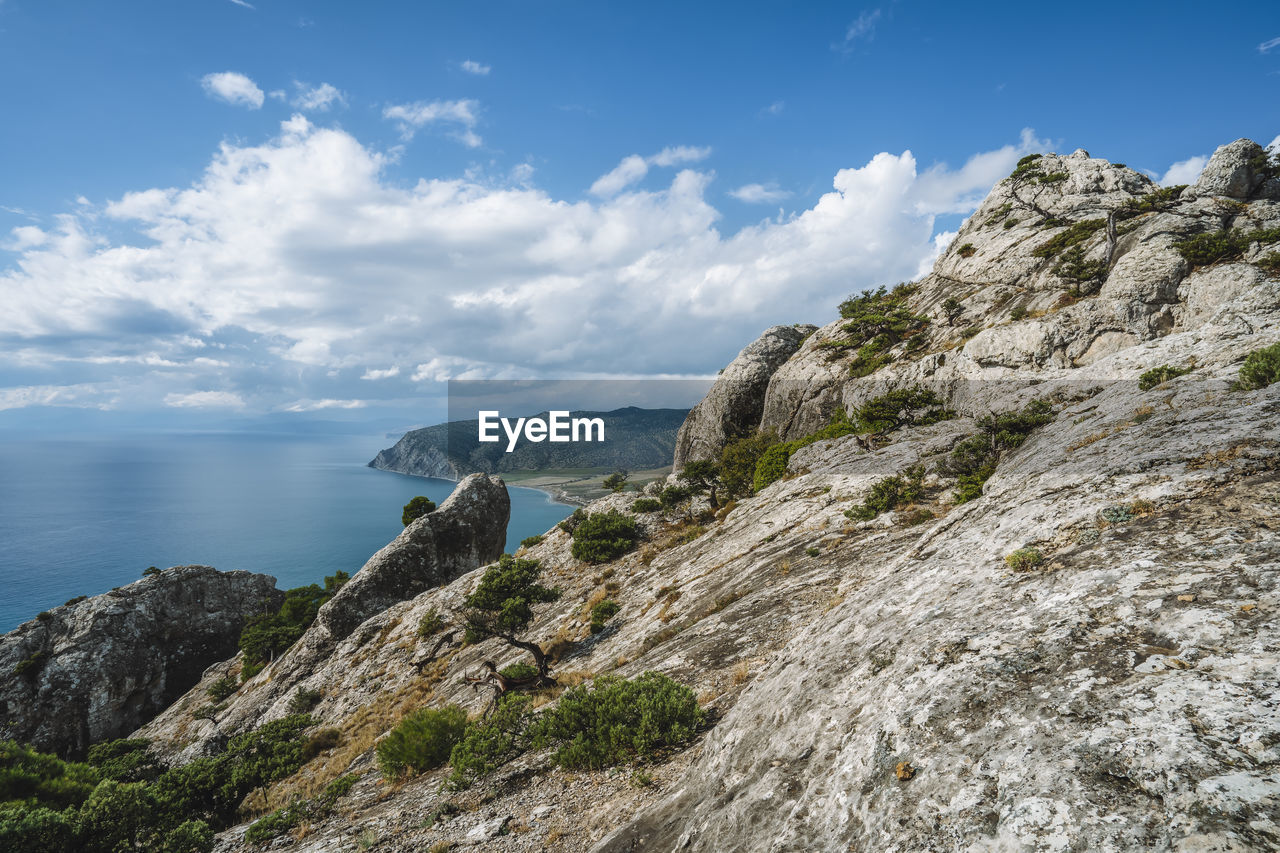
559	644
359	733
1089	439
1214	458
741	672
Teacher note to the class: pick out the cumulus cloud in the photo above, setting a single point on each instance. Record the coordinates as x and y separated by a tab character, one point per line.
476	68
634	167
759	193
412	117
204	400
320	97
234	88
1184	171
308	270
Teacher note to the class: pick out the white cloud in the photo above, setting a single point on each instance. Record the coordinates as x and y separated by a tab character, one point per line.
774	109
244	3
372	374
25	237
759	193
234	88
1184	171
1269	45
317	98
204	400
634	167
412	117
861	28
476	68
300	263
81	396
318	405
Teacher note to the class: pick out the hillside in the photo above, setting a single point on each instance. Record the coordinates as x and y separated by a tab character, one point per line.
635	439
1001	575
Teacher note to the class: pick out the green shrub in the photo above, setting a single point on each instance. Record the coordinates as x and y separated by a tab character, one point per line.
615	482
490	743
1270	263
1024	559
966	251
571	523
618	720
878	321
1075	234
125	760
29	667
905	407
1052	178
267	635
76	600
738	461
1026	167
422	741
1153	202
646	505
1073	267
1159	375
974	459
430	624
1202	250
519	670
530	541
604	536
602	613
1260	369
38	779
416	508
812	552
304	700
773	465
208	711
502	605
890	493
1018	313
999	213
222	688
150	571
1011	222
970	332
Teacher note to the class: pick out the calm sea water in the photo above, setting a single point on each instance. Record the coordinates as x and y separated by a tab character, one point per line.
79	517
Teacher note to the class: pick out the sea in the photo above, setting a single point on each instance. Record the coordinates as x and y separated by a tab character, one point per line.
80	516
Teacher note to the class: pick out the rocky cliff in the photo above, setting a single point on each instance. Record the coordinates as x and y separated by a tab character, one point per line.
98	668
1077	650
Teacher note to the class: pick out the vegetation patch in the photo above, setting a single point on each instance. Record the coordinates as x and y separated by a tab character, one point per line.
1260	369
530	541
604	536
646	505
974	459
282	820
966	251
430	624
416	508
1074	235
222	688
422	741
602	613
1024	559
772	465
1204	250
890	493
877	321
267	635
1160	375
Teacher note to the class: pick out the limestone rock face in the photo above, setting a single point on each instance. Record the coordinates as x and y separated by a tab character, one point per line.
734	404
1231	172
469	529
417	458
99	668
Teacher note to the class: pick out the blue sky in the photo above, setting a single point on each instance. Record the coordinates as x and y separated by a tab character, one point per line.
219	211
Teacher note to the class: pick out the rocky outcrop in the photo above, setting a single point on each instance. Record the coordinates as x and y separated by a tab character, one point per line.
734	404
1233	171
419	458
469	529
98	668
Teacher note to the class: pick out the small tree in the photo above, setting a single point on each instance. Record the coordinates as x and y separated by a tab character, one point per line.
703	476
617	481
416	509
914	406
738	461
674	497
502	605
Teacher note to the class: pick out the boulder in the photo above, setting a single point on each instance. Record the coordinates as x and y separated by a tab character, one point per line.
97	669
1232	171
736	401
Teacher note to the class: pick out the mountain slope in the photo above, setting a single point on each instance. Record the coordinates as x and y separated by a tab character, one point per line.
896	682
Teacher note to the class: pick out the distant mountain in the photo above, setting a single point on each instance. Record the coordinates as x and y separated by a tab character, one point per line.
634	438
